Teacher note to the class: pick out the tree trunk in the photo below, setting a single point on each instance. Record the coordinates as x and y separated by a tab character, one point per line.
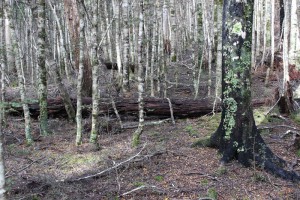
141	78
63	91
42	72
272	37
21	84
286	102
80	77
95	77
237	136
153	107
2	166
126	50
9	52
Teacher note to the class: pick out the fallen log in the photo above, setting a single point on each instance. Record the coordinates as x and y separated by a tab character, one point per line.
158	107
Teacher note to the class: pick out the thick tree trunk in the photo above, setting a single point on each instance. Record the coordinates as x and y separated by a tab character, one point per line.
237	136
125	106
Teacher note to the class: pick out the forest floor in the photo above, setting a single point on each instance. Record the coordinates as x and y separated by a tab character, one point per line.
165	165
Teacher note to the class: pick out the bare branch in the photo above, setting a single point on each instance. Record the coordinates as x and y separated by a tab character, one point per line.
108	169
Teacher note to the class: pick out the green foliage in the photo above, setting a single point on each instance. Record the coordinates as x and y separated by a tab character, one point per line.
295	117
174	58
298	153
136	137
135	140
73	160
159	178
230	113
204	182
191	131
212	193
259	116
210	123
237	28
35	197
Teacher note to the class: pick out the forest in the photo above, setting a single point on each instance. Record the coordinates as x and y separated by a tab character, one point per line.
149	99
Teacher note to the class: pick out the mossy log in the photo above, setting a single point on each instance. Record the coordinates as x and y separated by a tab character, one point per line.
182	108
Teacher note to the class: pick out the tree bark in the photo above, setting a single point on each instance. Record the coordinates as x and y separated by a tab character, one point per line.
42	72
80	77
2	166
63	92
141	78
95	77
237	136
126	106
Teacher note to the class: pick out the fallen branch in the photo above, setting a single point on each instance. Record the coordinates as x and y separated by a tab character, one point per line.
143	187
106	170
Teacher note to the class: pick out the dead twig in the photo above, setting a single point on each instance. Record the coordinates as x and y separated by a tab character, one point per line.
24	168
116	112
153	187
272	107
171	111
289	132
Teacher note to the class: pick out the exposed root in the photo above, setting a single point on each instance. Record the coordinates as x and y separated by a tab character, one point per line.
269	166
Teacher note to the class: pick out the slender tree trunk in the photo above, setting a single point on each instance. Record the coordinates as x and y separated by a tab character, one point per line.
42	88
95	76
21	79
80	77
116	11
141	78
298	18
219	52
199	57
2	166
9	56
265	21
61	46
126	48
63	91
286	29
272	38
154	55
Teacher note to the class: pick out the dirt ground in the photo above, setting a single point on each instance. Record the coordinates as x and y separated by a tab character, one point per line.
165	165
